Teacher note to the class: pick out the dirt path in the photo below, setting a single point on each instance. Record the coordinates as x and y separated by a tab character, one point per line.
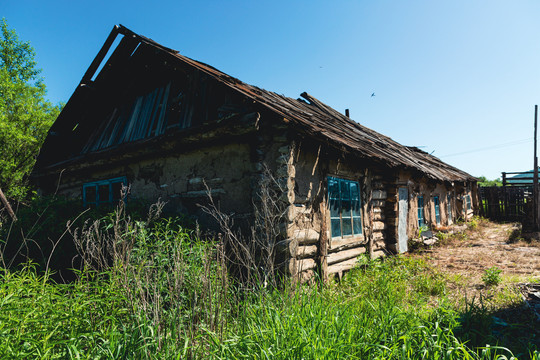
470	253
465	256
497	313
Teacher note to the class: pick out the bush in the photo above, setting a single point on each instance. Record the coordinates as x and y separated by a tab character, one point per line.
492	276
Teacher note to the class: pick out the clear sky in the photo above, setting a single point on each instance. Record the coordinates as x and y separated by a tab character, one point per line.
458	78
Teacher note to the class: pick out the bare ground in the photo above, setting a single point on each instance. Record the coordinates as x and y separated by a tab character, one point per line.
464	258
486	245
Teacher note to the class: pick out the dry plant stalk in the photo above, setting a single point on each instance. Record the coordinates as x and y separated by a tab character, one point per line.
253	257
181	297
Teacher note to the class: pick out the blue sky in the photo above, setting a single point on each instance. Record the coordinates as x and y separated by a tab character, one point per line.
459	78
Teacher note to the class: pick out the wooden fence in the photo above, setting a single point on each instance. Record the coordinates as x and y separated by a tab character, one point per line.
507	203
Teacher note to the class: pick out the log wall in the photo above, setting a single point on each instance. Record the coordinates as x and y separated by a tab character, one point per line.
307	235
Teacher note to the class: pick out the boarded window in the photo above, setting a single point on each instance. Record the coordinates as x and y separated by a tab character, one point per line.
437	209
420	205
104	192
345	207
146	116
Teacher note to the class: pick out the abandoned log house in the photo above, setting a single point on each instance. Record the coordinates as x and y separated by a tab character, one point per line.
167	125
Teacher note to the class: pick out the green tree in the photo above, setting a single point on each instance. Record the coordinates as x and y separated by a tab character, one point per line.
25	114
482	181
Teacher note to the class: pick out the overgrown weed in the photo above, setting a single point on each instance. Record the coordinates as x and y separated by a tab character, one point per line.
151	289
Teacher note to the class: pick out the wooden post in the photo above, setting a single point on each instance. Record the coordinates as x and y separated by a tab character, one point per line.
323	243
504	204
535	178
8	207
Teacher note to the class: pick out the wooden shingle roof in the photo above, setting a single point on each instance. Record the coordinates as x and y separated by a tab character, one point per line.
312	117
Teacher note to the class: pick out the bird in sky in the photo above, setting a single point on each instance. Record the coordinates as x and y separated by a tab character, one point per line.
372	94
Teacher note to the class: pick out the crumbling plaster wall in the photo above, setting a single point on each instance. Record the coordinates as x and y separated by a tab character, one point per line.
179	179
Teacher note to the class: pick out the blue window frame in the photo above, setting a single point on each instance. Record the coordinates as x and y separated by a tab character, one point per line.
468	200
420	205
103	192
437	209
345	207
449	206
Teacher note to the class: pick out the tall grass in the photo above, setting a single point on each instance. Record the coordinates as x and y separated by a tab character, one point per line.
153	290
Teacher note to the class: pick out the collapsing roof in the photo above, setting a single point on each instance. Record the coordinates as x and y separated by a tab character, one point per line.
308	115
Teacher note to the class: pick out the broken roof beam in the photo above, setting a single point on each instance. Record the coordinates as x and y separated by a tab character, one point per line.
100	56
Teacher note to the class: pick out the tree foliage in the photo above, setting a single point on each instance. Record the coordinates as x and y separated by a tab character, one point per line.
25	114
482	181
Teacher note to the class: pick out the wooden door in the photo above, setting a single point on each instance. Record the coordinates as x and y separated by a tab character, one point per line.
403	210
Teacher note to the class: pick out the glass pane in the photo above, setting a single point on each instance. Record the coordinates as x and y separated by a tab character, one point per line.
355	194
103	191
356	208
334	208
346	208
357	224
344	187
90	192
116	191
336	228
347	226
333	188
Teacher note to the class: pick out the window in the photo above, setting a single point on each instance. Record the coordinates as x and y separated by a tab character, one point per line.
420	204
437	209
468	200
103	192
345	205
449	206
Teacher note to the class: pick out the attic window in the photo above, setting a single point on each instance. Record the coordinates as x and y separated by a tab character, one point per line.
345	207
104	192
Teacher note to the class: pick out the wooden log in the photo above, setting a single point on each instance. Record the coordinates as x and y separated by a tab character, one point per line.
345	255
305	264
346	246
287	247
378	215
306	276
342	266
380	244
306	251
368	207
337	243
323	243
306	236
378	225
378	253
